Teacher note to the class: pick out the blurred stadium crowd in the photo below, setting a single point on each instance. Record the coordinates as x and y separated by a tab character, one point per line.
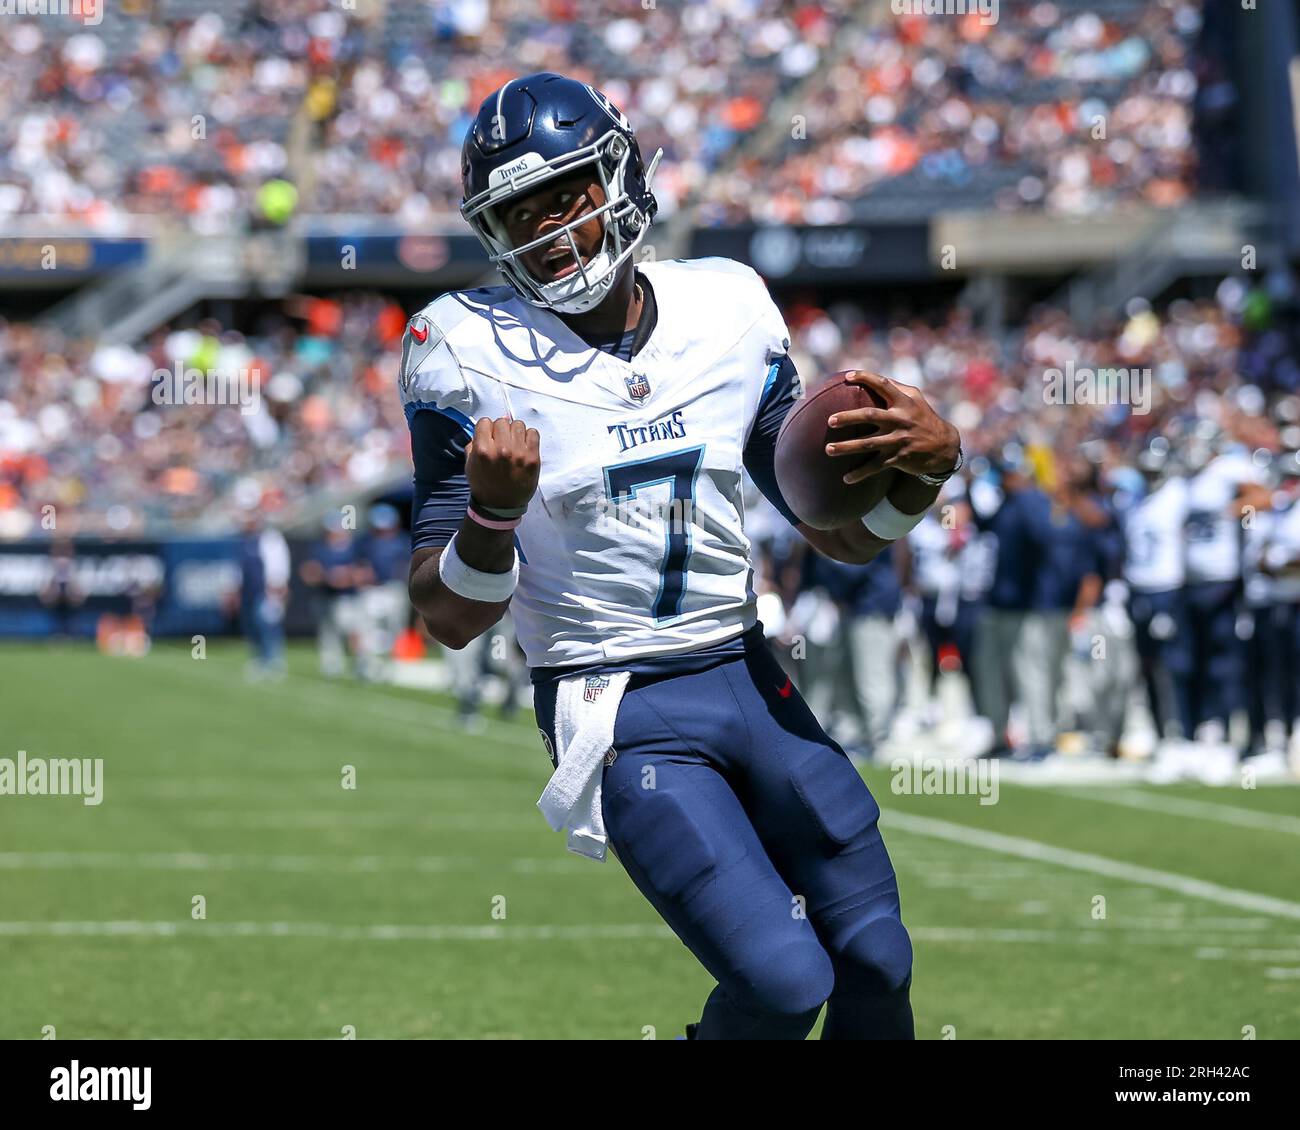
173	109
83	426
1163	536
1090	548
1050	537
80	428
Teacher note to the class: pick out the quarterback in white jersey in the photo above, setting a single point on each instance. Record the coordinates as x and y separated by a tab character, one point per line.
579	439
633	544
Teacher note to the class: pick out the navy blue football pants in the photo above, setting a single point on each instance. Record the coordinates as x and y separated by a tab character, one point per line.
1218	655
1164	645
756	840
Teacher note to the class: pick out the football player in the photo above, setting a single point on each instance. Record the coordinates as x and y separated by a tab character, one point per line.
1155	572
579	437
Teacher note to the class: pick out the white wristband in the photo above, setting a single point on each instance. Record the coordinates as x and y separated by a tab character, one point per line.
474	584
888	523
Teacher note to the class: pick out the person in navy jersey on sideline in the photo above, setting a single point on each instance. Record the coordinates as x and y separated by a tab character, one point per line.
1083	551
383	602
336	572
1014	510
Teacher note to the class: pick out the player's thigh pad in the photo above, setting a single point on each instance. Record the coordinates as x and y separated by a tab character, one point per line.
800	780
687	842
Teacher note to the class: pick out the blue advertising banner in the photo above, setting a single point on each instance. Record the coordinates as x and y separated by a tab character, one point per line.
21	257
62	588
393	256
842	253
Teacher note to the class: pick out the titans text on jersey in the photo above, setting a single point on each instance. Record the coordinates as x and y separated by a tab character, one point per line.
632	435
674	429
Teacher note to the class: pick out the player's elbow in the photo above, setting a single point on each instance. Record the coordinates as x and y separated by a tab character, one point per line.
853	547
856	554
450	633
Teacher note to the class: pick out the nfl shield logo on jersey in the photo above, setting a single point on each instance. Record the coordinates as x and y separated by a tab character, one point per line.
593	686
638	387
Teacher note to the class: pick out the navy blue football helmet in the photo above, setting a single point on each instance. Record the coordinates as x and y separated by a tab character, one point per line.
535	129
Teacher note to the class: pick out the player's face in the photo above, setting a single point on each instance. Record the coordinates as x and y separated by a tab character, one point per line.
555	204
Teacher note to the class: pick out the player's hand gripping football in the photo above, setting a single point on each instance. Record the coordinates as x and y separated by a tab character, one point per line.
911	437
503	462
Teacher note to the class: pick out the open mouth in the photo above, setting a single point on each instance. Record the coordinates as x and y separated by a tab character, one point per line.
559	262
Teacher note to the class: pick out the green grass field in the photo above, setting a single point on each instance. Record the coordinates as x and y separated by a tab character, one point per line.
380	908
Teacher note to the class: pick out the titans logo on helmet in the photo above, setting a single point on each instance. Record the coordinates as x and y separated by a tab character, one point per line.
605	104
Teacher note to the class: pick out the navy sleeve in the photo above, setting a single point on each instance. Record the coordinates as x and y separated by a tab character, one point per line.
441	488
1035	514
779	395
1111	539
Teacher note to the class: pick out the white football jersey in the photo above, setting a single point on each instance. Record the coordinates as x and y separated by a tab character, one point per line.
1154	536
935	568
1282	548
1213	534
633	544
1259	587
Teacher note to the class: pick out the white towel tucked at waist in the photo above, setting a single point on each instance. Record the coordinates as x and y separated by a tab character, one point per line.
586	708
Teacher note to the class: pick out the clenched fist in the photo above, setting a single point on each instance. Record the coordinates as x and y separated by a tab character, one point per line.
502	463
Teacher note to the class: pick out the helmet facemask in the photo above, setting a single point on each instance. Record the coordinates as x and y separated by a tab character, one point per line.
624	224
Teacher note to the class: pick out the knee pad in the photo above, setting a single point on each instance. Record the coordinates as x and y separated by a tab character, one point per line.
791	980
876	959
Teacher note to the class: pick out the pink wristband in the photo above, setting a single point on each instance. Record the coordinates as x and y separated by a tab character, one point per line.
493	523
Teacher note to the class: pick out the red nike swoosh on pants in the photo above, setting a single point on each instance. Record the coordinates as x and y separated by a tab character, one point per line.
784	691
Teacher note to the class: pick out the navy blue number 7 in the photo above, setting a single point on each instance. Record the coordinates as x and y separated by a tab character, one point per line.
624	480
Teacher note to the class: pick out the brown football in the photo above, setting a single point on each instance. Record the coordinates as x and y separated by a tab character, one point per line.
812	481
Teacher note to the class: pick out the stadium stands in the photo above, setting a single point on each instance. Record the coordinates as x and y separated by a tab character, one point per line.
183	112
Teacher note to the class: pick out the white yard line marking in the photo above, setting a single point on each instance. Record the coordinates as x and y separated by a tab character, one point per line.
1197	809
1218	953
204	861
423	821
1102	933
313	782
329	931
407	932
1093	864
